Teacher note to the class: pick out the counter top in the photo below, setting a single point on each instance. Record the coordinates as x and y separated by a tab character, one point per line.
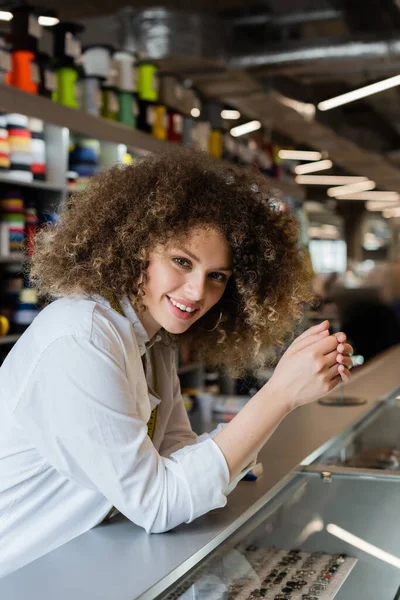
119	561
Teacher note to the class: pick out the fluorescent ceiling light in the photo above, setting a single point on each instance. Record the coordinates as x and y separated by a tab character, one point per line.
382	196
321	165
231	115
48	21
299	155
361	544
328	179
245	128
374	205
5	15
363	92
195	112
344	190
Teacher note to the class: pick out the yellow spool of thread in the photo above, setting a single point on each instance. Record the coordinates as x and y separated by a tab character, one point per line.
215	144
4	325
159	129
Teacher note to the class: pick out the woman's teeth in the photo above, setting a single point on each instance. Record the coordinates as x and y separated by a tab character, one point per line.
181	306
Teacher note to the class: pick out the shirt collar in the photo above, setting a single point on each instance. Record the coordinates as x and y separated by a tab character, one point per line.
144	342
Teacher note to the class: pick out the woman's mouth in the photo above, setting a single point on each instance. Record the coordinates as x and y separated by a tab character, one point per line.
180	310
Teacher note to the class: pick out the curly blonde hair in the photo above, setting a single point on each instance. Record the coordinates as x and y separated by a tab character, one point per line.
103	237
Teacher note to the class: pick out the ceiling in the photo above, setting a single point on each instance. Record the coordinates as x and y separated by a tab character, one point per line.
299	49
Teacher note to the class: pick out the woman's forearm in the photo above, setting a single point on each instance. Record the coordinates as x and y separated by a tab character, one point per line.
251	427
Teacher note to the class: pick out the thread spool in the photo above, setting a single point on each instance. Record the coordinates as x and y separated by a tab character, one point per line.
97	60
215	144
23	74
13	221
66	92
109	92
4	144
84	158
159	129
126	109
38	146
147	85
19	138
125	71
91	95
187	127
174	127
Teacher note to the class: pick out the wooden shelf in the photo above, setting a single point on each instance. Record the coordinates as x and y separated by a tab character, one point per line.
13	258
79	122
190	367
9	339
39	185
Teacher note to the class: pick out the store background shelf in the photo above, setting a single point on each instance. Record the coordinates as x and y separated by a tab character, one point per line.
77	121
9	339
39	185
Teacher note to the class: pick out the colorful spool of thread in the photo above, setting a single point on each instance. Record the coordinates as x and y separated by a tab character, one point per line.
12	223
24	72
4	144
20	143
26	310
109	93
126	83
84	159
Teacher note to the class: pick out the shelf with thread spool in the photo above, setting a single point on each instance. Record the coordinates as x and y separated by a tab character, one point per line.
9	339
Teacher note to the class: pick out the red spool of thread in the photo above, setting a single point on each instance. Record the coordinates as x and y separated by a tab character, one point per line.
21	74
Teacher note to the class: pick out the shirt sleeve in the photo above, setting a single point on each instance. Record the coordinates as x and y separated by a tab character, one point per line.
80	413
179	434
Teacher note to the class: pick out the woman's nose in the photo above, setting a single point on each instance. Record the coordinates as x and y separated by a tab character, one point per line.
196	287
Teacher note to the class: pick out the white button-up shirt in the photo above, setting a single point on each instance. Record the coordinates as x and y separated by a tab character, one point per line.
74	406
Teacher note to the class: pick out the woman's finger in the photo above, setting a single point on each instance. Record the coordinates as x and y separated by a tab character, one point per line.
341	337
344	373
310	340
312	331
346	349
345	360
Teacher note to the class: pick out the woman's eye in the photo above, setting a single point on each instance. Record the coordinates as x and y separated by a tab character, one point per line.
181	262
219	277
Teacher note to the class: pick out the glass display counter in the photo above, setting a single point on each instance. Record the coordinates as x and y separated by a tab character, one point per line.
374	444
324	536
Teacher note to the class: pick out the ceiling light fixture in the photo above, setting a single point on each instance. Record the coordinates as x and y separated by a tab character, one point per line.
363	92
299	155
344	190
46	21
321	165
5	15
230	115
383	196
328	179
195	112
245	128
374	205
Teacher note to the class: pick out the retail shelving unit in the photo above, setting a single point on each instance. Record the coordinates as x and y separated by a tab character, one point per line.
115	139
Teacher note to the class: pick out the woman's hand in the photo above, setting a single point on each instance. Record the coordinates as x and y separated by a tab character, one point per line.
312	366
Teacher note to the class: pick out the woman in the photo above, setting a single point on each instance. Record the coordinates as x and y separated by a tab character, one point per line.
173	248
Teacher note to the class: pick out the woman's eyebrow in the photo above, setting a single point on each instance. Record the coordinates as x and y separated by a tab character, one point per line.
196	258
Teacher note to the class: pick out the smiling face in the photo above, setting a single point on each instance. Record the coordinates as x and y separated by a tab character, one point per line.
184	280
